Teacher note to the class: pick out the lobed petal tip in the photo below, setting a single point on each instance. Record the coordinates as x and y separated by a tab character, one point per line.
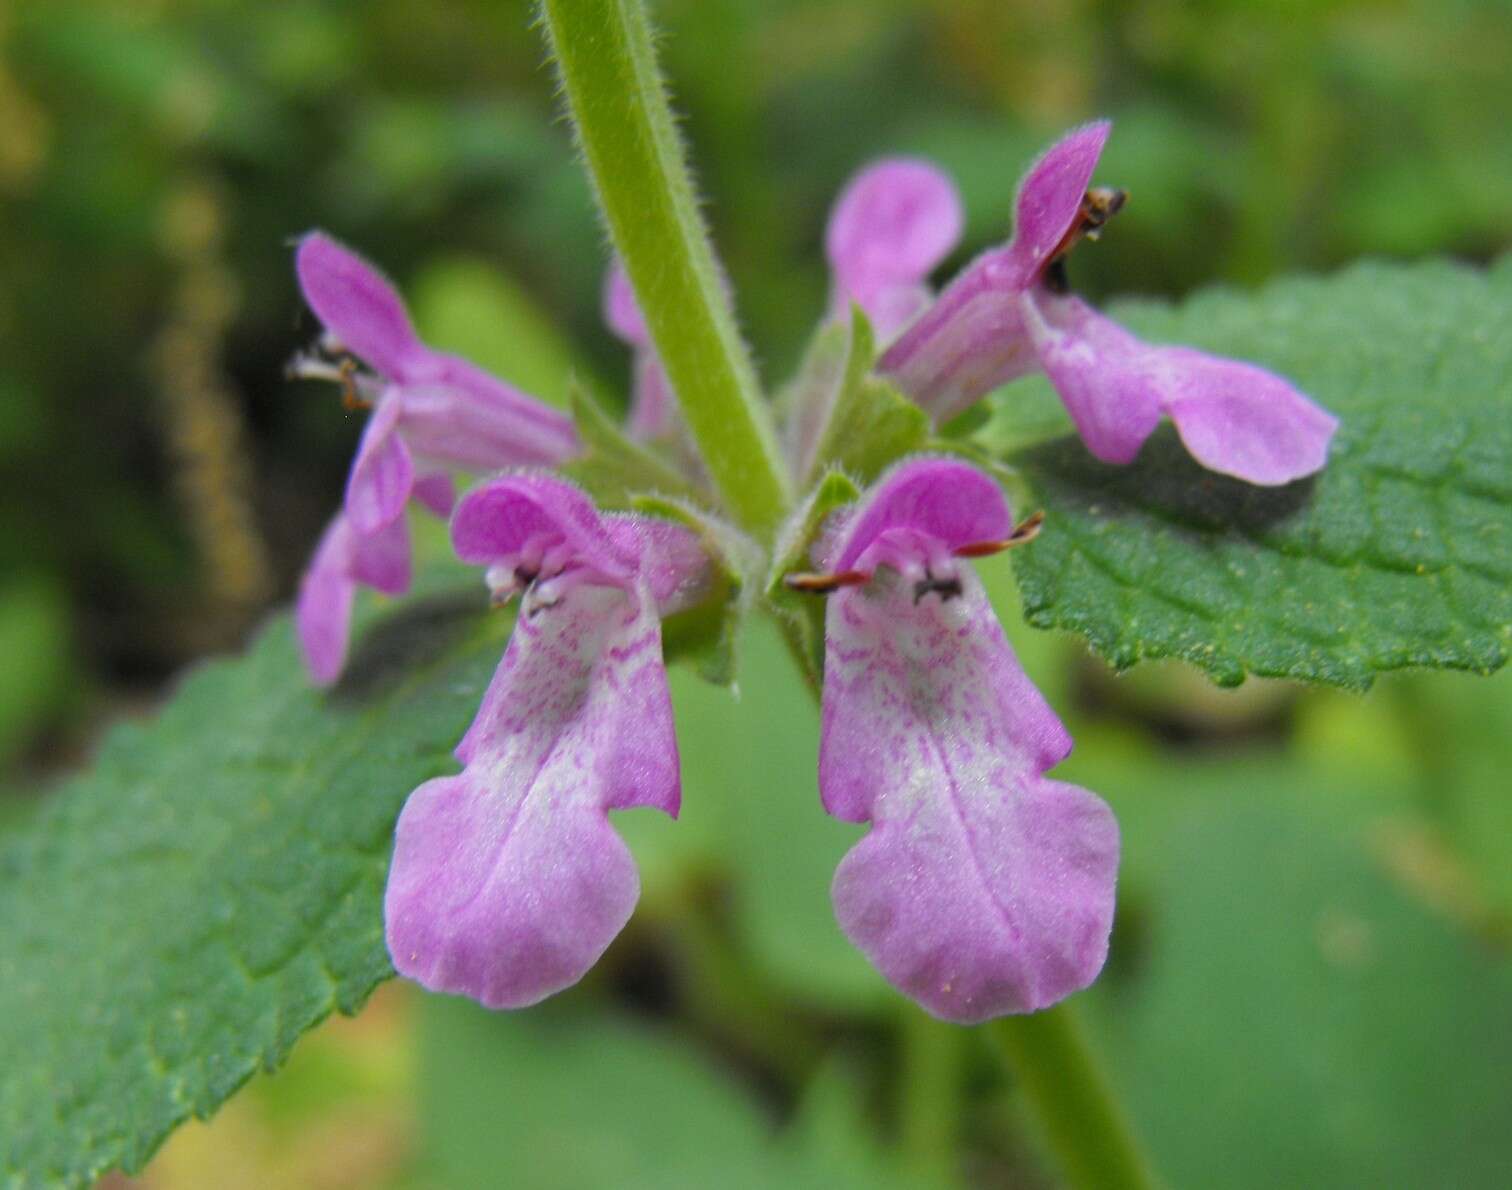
1051	192
505	929
937	495
983	888
498	517
356	304
897	217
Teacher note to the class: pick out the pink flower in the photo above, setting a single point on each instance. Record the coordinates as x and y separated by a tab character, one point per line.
1007	314
431	411
507	881
343	560
892	225
653	409
983	888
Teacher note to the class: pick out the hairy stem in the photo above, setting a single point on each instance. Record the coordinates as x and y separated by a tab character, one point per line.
605	55
1084	1123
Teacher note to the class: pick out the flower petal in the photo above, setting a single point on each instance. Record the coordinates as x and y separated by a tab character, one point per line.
671	559
621	311
356	304
497	519
891	226
1240	419
653	409
457	414
507	882
436	491
652	405
323	614
382	473
969	342
1051	193
945	499
1235	418
983	888
1098	369
973	338
343	559
381	560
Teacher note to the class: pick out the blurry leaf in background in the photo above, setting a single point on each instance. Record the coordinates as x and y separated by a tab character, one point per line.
34	643
340	1114
1444	741
568	1096
1289	1014
1398	554
752	759
472	307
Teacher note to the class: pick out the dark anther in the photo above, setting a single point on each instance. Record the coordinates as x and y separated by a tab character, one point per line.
1056	280
525	576
1098	205
946	588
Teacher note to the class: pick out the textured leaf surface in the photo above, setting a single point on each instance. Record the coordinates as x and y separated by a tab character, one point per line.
176	919
1399	554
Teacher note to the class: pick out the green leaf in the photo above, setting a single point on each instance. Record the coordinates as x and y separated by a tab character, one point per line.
1399	554
464	305
615	470
34	642
869	424
178	917
1270	979
567	1097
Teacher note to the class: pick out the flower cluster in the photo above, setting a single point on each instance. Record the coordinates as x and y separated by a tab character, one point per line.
983	887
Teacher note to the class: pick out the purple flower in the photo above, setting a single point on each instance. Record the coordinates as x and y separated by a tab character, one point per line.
431	411
653	410
507	881
1007	315
983	888
343	559
889	229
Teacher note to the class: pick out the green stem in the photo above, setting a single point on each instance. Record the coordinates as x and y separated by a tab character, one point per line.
614	92
929	1093
1052	1057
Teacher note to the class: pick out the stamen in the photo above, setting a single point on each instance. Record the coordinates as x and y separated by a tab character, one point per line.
824	584
346	372
351	398
1023	532
503	585
946	588
1098	205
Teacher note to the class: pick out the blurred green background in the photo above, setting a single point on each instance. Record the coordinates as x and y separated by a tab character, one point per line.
1309	981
